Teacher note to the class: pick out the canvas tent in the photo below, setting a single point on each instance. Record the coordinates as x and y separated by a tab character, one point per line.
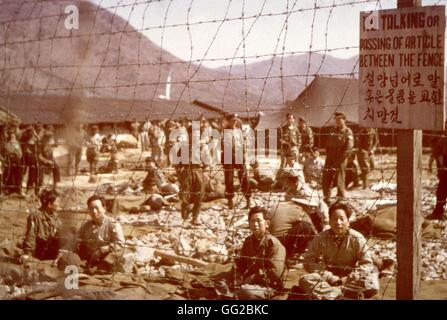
6	116
318	102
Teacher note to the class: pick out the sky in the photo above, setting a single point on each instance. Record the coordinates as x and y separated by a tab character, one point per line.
220	32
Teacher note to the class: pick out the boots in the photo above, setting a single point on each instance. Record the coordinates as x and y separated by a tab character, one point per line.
365	182
230	204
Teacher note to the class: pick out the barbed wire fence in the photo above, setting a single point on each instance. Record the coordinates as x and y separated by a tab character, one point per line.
162	237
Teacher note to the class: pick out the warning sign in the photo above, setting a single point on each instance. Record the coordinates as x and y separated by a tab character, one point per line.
401	61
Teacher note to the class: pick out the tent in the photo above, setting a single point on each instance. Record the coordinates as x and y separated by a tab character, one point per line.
318	103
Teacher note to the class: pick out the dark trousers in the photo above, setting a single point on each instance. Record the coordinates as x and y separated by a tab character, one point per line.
54	170
441	191
12	179
229	180
74	154
192	190
33	176
334	175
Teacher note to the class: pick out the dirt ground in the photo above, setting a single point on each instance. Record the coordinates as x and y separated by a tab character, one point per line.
174	285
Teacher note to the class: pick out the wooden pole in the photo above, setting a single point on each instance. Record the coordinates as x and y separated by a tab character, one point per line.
409	172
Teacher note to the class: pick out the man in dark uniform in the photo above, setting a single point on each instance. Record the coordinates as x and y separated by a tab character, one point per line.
258	270
339	144
190	175
42	237
307	136
439	153
233	158
290	140
30	142
367	141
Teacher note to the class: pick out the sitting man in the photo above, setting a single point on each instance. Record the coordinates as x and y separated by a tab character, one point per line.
42	237
313	167
338	261
296	224
262	179
155	180
290	179
101	238
258	270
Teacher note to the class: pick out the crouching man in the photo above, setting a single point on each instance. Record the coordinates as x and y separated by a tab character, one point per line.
258	270
338	261
42	237
100	240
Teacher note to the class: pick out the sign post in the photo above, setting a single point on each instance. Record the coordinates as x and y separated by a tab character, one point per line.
402	87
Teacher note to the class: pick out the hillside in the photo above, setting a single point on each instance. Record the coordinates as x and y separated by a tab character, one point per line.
108	58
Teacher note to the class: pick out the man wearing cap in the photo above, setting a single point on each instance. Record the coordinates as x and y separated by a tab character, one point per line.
259	267
100	239
307	136
338	146
367	141
234	158
290	140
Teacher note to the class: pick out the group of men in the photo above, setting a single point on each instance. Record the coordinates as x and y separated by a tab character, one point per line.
338	263
30	151
297	149
337	260
97	242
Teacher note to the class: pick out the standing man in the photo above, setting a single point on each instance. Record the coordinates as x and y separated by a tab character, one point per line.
439	154
30	144
258	269
46	159
339	144
156	137
307	136
12	179
190	174
367	141
93	146
234	158
290	140
75	140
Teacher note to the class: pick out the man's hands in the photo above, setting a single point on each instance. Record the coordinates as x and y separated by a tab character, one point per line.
337	281
23	258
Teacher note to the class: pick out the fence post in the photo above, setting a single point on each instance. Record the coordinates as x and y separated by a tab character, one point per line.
409	172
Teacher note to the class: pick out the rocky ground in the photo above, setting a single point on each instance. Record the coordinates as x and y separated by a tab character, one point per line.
154	237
